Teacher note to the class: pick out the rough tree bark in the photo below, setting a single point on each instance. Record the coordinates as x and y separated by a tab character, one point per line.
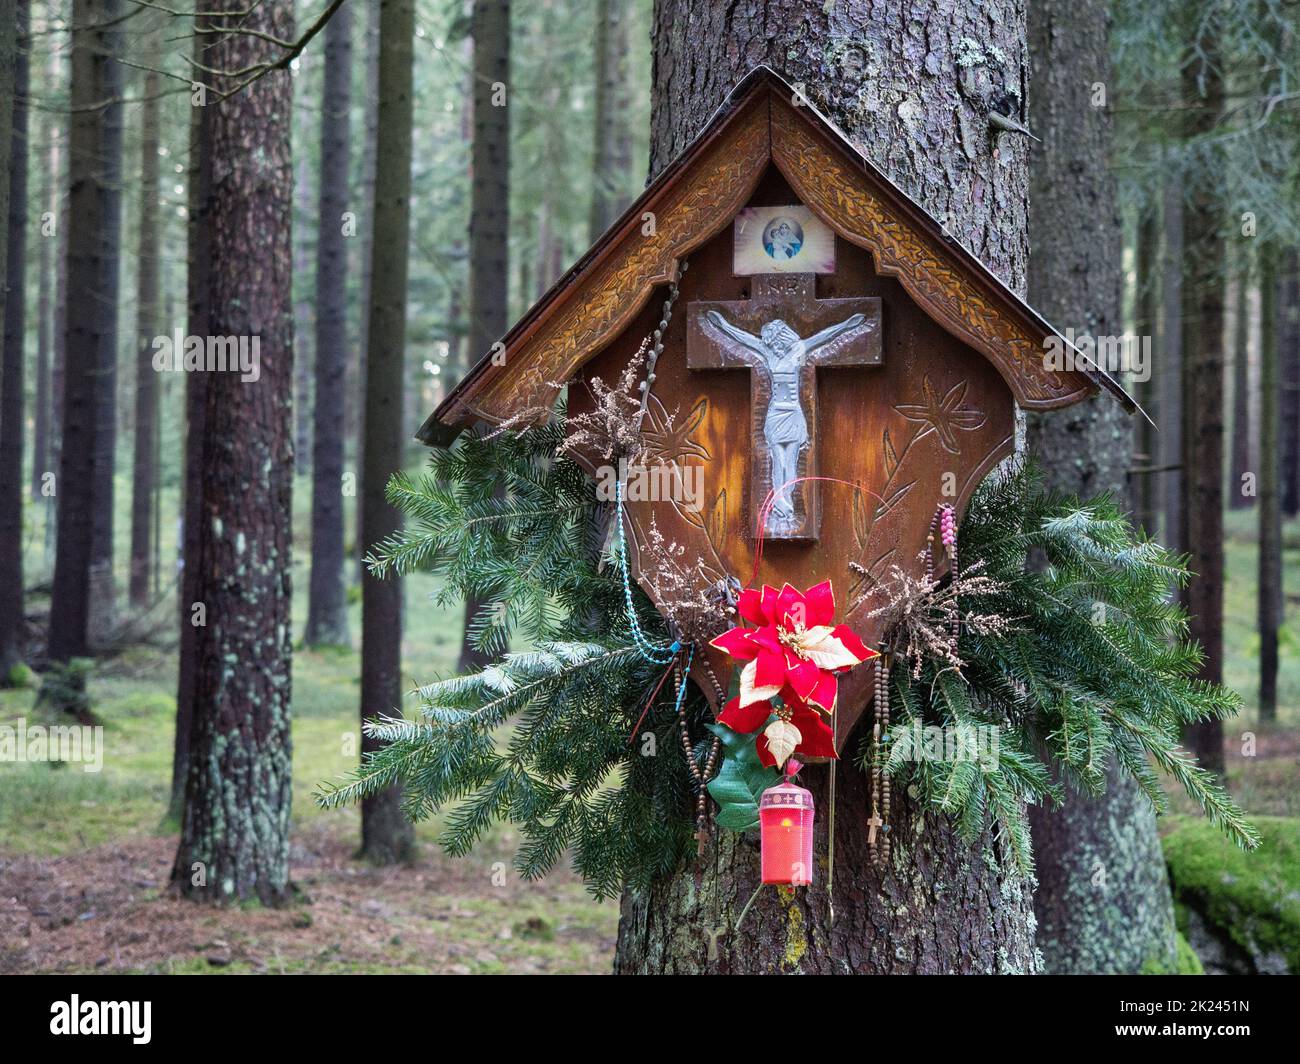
1288	340
611	161
1147	306
235	830
368	167
489	219
1170	444
78	435
304	320
1202	314
44	289
386	835
148	320
1103	901
903	83
12	334
1242	465
197	260
327	614
1269	601
101	583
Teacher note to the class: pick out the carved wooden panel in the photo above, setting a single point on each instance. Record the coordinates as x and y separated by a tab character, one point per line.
918	428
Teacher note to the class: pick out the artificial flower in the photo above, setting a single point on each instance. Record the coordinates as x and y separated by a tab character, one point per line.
804	733
796	644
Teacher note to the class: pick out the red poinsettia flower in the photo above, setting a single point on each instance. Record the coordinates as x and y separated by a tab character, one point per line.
811	736
795	645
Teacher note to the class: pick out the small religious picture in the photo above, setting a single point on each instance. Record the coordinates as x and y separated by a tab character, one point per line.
782	240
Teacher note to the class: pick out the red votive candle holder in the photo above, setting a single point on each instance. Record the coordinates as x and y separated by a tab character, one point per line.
785	815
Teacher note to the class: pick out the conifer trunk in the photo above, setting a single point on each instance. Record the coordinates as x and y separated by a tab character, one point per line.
386	835
44	298
489	225
1202	323
234	842
101	583
941	905
611	160
1075	280
12	393
1270	510
79	366
1238	497
1288	340
327	615
1143	484
147	326
197	242
1170	351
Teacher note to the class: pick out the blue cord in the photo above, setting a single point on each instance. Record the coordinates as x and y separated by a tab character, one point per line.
648	650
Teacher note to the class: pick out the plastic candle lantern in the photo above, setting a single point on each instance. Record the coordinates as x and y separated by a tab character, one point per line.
785	814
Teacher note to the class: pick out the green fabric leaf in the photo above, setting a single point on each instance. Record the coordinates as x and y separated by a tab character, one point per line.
741	780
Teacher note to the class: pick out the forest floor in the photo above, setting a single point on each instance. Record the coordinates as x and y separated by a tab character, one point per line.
85	857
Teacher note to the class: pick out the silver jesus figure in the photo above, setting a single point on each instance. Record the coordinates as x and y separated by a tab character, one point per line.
779	351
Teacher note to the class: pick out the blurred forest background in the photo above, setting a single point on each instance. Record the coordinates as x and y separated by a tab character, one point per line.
133	214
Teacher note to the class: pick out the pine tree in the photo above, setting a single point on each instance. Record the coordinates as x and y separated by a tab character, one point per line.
234	842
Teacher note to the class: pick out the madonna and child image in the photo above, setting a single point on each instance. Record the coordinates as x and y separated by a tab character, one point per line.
782	240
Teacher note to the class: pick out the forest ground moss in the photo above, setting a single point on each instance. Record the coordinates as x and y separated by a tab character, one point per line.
1251	898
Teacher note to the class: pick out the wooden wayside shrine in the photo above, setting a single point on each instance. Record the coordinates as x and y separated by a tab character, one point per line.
827	327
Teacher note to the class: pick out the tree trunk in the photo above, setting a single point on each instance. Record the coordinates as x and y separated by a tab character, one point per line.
1288	341
101	583
147	325
386	836
304	317
489	220
611	160
940	905
235	832
12	394
83	340
368	169
44	299
1270	510
1147	302
1202	302
197	264
1095	856
1240	497
1170	446
327	615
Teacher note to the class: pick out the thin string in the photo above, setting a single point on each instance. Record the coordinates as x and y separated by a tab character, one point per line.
770	501
652	652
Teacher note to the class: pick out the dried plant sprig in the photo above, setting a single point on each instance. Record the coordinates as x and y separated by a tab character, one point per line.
612	429
921	617
687	594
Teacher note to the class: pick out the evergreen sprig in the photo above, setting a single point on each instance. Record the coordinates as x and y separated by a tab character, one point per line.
1096	670
542	739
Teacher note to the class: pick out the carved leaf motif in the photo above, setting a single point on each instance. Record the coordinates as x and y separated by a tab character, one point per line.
670	437
894	499
717	527
891	456
861	520
945	416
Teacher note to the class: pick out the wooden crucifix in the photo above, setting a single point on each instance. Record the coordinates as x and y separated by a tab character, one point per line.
782	334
